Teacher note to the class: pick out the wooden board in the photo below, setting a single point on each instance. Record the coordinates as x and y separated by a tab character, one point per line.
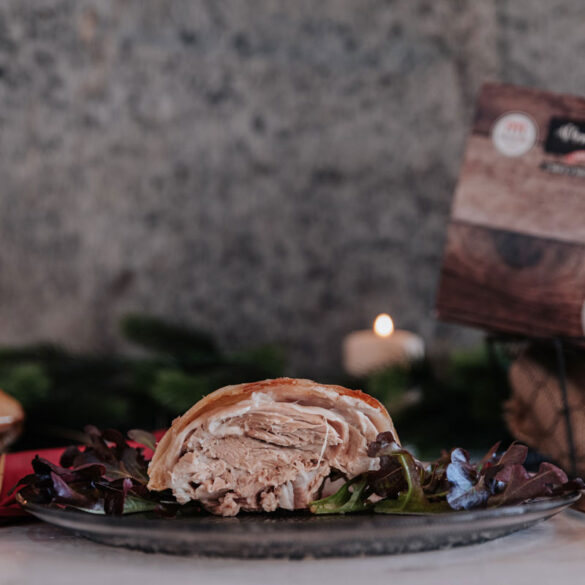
515	254
515	194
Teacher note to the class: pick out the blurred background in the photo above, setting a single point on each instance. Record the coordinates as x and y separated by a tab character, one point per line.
262	171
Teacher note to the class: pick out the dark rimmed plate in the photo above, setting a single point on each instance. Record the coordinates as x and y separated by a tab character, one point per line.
299	535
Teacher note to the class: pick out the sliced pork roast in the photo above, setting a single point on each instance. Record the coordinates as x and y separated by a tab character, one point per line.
267	445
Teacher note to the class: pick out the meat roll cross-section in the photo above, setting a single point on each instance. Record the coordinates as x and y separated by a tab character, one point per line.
267	445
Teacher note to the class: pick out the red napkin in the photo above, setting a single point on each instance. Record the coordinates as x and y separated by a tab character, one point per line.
14	466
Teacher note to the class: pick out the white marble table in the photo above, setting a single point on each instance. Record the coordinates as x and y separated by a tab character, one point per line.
551	552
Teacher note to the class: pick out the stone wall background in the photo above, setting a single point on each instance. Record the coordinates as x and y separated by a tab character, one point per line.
264	169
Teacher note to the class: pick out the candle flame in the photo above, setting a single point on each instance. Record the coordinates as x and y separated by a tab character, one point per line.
383	325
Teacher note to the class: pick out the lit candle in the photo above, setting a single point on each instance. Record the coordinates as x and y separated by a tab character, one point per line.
366	351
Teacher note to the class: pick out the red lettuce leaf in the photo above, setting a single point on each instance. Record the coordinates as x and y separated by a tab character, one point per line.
107	475
468	489
502	481
453	482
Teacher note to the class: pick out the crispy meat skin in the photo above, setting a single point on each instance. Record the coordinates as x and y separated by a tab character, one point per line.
266	445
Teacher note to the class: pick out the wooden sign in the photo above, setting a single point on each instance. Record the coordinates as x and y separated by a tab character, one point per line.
515	253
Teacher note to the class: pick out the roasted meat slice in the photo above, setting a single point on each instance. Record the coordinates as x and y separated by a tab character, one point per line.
267	445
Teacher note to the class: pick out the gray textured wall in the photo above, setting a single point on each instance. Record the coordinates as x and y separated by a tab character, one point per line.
265	169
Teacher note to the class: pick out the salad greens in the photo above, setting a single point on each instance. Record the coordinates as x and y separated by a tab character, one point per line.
403	485
109	476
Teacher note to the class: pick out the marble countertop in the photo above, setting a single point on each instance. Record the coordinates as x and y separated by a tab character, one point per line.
550	552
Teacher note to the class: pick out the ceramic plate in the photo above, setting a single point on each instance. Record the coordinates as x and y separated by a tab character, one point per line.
297	535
